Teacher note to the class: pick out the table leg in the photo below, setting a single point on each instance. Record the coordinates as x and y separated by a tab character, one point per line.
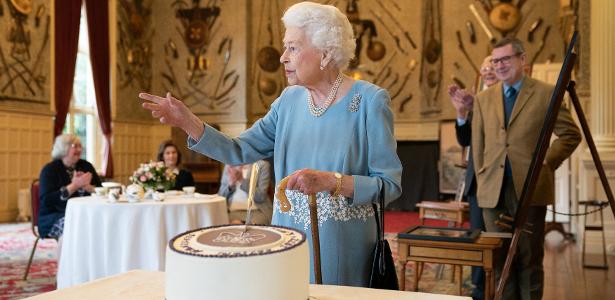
489	274
489	283
459	276
418	269
402	255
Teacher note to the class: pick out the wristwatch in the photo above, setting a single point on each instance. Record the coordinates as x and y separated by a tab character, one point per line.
338	184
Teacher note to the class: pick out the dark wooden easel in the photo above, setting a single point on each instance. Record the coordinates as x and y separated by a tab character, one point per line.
563	84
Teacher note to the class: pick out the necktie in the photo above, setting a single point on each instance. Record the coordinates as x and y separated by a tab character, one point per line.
509	102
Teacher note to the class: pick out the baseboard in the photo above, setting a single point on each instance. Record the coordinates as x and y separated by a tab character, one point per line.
8	216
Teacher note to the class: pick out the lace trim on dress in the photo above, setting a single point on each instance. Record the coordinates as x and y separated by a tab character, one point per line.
329	208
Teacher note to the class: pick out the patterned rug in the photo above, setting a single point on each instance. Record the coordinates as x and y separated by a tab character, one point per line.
16	241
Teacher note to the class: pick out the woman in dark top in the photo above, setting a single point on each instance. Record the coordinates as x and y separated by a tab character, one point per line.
168	153
66	176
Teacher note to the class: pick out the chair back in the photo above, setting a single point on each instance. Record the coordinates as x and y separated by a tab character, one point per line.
35	203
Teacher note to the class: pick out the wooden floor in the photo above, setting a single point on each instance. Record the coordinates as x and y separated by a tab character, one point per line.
565	277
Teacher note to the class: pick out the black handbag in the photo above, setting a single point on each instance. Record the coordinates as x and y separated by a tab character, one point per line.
383	274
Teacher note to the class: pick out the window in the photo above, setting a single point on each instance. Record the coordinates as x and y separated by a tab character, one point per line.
82	118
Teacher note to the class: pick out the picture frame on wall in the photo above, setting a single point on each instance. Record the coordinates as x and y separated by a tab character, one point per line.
450	165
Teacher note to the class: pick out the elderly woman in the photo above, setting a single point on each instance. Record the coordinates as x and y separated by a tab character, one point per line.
169	154
332	135
66	176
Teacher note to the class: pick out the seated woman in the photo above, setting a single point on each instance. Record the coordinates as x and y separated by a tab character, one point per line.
168	153
66	176
235	185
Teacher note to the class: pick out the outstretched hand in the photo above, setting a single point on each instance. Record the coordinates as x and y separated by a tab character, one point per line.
168	109
174	112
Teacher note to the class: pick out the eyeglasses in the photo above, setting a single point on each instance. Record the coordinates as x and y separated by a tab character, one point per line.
504	59
486	69
76	145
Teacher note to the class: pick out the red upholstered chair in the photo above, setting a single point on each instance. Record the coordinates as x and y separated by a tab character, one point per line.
35	203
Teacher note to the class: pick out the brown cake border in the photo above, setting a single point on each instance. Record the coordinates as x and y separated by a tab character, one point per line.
239	254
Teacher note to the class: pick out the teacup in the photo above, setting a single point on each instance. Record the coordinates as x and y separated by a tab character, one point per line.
189	190
158	196
134	192
109	186
113	195
100	191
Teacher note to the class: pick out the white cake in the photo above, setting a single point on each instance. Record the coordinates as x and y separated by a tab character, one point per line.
222	262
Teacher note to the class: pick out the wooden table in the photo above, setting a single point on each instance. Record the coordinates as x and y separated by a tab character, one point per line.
479	253
149	285
453	211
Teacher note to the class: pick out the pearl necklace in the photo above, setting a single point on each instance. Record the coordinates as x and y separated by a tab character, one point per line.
318	111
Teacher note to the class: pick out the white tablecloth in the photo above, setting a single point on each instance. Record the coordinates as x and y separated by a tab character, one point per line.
142	285
102	239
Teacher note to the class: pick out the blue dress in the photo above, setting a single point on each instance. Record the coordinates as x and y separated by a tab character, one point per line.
353	137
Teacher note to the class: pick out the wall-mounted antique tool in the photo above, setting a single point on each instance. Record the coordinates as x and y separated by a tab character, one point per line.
227	76
173	48
401	28
197	23
268	57
229	89
432	49
541	46
40	12
465	53
471	31
533	27
504	16
268	86
403	103
227	58
412	66
389	31
401	87
486	4
431	63
384	67
387	73
375	49
393	82
482	24
395	4
458	82
24	6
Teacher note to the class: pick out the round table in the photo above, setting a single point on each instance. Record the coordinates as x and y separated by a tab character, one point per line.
102	239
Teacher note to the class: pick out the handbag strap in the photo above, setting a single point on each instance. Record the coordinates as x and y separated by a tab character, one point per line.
379	214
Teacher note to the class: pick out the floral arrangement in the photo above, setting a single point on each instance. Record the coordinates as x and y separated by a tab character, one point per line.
154	175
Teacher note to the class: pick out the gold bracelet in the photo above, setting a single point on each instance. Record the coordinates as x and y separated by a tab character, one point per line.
338	184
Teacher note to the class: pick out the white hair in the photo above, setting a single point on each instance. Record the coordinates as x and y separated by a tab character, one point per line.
62	144
326	27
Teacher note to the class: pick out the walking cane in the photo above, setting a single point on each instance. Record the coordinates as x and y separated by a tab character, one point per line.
285	207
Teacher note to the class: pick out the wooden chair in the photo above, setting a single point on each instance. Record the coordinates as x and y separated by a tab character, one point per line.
456	213
35	203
